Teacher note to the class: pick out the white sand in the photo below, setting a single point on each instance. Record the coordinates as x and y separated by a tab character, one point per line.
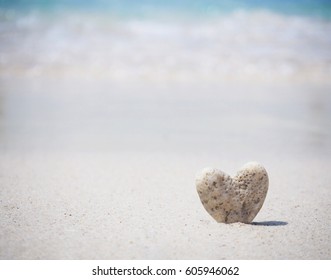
105	172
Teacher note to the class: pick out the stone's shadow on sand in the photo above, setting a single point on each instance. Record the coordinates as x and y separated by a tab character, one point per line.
270	223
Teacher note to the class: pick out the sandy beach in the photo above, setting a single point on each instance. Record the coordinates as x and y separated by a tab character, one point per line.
93	170
109	109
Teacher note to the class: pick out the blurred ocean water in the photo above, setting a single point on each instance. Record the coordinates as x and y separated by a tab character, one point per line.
317	8
197	40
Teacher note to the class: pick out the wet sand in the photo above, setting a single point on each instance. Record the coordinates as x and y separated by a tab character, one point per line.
97	170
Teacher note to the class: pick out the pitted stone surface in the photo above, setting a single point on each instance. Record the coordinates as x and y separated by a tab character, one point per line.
237	199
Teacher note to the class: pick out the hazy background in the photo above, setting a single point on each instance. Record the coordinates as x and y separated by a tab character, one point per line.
141	74
166	41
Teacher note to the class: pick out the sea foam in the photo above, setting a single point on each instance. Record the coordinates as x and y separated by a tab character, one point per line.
238	46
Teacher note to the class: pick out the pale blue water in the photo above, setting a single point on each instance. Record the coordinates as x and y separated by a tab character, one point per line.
316	8
207	40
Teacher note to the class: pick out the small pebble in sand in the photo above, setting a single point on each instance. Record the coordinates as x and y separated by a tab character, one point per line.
237	199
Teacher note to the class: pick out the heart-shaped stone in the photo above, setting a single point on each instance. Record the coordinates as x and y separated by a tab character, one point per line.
237	199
